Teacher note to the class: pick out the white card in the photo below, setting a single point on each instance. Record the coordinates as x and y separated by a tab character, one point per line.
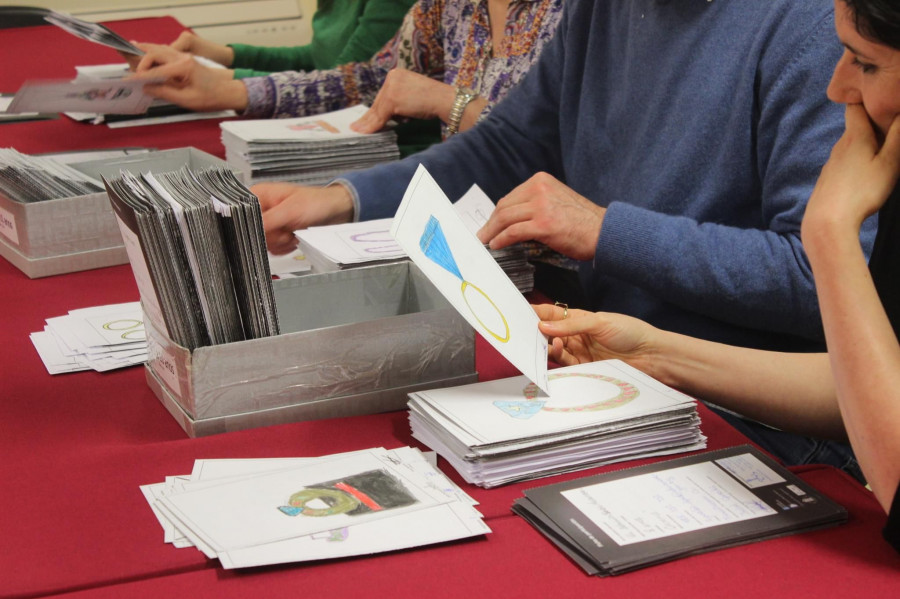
457	263
107	97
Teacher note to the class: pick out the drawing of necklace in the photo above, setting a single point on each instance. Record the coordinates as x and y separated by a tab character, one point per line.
434	245
531	406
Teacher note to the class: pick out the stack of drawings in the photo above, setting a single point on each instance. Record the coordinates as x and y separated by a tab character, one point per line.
508	430
308	150
256	512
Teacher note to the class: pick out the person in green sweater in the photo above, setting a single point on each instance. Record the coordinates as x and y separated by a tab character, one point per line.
343	31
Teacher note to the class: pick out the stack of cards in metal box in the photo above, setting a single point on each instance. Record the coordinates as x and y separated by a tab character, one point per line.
196	246
25	178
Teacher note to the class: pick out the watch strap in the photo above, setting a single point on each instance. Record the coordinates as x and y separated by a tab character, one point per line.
463	97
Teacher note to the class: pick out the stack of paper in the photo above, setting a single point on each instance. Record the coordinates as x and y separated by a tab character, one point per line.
337	247
507	430
620	521
100	338
309	150
257	512
196	246
27	178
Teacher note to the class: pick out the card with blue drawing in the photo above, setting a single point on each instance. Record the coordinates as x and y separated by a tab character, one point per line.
441	244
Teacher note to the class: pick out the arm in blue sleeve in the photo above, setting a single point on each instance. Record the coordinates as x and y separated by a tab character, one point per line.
757	277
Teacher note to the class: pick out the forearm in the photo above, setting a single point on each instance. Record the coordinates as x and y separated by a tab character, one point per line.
264	60
476	156
293	94
791	391
747	277
864	353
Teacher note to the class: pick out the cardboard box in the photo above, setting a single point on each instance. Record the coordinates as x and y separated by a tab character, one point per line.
80	233
353	342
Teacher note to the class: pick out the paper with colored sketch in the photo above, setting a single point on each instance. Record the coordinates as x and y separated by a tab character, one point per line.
456	262
453	520
258	510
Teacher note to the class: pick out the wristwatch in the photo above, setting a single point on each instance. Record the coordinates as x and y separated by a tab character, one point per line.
464	95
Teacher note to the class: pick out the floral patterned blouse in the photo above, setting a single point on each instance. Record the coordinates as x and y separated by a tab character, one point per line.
448	40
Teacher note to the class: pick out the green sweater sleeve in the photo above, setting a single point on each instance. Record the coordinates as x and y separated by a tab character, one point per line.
377	24
343	31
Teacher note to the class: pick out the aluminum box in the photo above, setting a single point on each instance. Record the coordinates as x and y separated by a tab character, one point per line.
80	233
353	342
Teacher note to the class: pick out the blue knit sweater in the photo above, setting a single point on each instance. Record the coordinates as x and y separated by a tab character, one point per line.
701	126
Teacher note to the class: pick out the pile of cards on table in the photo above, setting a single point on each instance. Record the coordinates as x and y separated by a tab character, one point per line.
27	178
310	150
100	338
196	246
255	512
506	430
619	521
349	245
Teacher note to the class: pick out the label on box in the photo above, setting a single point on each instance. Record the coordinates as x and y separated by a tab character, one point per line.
8	226
163	364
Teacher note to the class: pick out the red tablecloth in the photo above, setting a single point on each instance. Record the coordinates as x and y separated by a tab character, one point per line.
48	52
76	447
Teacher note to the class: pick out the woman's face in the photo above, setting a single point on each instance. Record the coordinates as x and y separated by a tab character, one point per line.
868	73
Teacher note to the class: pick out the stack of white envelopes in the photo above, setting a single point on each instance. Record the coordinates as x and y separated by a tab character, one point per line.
257	512
507	430
100	338
310	150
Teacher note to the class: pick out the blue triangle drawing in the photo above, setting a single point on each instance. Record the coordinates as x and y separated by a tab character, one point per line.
434	245
290	510
520	409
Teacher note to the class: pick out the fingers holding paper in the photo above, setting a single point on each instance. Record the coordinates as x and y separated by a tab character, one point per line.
590	336
187	82
544	209
287	208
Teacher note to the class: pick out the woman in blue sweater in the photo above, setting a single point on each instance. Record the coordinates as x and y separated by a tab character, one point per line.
854	390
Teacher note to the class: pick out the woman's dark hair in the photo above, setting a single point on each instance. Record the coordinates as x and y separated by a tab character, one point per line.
877	20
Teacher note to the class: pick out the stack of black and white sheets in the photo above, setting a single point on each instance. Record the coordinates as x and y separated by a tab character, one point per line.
26	178
619	521
310	150
256	512
196	245
507	430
